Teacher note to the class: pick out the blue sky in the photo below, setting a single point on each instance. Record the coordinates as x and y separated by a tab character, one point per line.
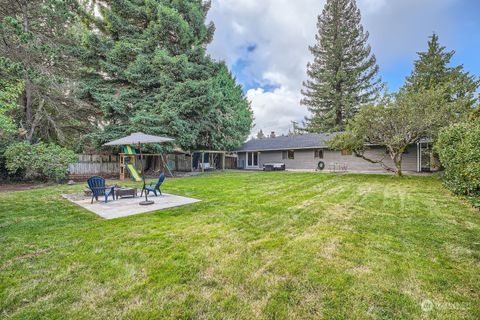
463	37
265	44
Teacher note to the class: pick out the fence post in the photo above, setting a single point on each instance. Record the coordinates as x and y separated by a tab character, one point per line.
101	165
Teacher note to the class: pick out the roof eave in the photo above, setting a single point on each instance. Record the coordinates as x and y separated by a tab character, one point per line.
283	149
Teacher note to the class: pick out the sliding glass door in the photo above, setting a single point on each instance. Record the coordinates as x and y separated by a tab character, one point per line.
252	159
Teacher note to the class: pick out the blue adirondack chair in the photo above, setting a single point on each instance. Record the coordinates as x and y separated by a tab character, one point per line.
156	187
97	185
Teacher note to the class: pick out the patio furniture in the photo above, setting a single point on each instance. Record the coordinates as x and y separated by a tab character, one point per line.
154	189
338	167
97	185
343	167
274	166
125	192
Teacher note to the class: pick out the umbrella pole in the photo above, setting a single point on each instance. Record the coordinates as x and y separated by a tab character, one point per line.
146	202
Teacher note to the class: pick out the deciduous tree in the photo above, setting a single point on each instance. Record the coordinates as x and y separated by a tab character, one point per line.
394	124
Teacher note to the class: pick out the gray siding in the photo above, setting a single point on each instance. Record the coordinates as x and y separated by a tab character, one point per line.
304	159
242	160
409	162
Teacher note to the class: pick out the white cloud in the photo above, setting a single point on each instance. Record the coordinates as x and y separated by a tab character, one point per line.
275	110
282	30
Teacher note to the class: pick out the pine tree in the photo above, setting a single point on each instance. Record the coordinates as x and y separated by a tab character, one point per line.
10	91
432	70
343	74
296	128
147	70
260	134
37	44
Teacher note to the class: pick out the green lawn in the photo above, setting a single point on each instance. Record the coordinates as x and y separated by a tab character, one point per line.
260	245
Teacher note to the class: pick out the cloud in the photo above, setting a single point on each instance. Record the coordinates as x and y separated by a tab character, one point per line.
275	110
265	43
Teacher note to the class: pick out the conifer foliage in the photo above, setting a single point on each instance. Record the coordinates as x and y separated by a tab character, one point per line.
433	70
36	51
147	70
343	74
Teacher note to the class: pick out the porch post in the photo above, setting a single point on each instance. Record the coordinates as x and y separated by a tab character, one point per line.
191	161
419	157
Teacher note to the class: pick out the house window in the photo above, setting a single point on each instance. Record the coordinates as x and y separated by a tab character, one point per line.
291	154
346	152
319	154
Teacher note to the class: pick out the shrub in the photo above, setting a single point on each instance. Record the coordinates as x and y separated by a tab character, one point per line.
39	161
459	149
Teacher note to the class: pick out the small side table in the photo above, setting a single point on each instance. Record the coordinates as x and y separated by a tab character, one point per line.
125	192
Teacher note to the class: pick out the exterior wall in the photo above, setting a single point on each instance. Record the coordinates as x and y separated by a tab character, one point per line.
242	160
305	160
409	161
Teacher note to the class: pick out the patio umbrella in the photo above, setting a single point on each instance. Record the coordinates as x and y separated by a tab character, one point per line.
139	138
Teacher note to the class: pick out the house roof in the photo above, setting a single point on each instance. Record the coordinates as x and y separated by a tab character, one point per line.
303	141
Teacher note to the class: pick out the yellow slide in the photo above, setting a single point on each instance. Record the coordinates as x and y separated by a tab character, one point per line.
133	172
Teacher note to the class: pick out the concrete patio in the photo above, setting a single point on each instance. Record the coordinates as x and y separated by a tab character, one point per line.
128	206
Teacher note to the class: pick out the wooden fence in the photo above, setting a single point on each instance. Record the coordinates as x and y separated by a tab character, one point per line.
230	162
91	165
179	162
109	166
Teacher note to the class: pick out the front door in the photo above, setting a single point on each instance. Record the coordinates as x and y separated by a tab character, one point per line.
252	159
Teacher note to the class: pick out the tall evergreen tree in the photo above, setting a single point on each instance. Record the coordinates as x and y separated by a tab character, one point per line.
432	70
260	134
147	70
37	44
10	90
343	74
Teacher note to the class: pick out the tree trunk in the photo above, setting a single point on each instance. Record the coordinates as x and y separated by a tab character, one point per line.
35	121
397	159
27	96
339	118
27	107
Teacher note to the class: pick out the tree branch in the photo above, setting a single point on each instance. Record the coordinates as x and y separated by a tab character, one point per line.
380	162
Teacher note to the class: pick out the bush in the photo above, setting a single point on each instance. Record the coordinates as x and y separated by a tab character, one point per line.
39	161
459	149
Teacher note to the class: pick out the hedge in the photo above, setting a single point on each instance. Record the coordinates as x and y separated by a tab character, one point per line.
458	147
39	161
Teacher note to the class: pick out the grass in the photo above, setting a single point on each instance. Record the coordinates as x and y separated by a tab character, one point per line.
259	245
